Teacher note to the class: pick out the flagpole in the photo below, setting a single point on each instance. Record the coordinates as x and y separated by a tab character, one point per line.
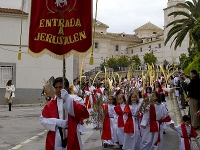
64	76
20	38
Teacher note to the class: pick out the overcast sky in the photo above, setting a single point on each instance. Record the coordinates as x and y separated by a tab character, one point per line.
120	15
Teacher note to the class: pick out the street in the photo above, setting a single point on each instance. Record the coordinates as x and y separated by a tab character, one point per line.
20	130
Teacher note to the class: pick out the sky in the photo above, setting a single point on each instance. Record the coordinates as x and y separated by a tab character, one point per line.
120	15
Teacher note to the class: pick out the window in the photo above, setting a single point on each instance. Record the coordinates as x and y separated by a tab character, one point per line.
149	47
6	73
116	47
96	45
140	49
154	32
159	45
132	51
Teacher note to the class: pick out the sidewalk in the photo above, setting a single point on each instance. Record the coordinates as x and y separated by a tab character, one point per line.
196	143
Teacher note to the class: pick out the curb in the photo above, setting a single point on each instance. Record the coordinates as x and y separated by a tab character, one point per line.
21	105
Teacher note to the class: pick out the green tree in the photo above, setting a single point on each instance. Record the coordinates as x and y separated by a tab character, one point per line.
195	64
165	63
135	59
123	61
181	27
113	63
149	58
103	64
184	61
196	34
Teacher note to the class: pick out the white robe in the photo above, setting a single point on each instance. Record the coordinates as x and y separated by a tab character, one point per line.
132	141
119	131
81	127
181	141
149	138
50	123
111	112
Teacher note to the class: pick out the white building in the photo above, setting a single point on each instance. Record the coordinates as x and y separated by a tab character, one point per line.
29	73
147	38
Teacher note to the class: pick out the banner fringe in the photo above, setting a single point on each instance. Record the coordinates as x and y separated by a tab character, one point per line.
59	57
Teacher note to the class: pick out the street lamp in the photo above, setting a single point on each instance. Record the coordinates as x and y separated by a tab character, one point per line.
104	59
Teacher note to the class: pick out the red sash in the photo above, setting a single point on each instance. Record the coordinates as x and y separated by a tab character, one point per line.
153	122
106	132
128	127
120	114
87	102
154	127
186	137
50	111
144	95
99	91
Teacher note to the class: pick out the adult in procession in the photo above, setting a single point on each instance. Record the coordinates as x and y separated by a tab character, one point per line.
52	119
193	89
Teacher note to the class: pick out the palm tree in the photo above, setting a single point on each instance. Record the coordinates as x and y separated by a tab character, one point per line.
183	26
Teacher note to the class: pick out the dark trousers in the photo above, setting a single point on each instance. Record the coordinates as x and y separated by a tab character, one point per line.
194	107
182	100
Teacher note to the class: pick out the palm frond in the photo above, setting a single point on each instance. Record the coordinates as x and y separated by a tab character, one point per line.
180	37
172	32
188	5
179	13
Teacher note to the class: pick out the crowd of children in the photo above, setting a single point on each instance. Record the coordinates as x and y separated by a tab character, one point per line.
136	117
137	121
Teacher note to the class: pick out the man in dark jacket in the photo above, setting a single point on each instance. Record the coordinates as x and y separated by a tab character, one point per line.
193	89
182	91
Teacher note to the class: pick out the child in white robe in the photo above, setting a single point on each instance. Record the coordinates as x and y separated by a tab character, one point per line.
132	138
152	124
119	112
108	129
186	131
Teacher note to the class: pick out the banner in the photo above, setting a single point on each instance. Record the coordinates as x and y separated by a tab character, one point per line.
60	27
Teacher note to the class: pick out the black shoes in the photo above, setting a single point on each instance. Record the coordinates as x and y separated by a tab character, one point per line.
105	145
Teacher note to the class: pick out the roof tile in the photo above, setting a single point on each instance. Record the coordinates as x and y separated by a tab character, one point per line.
11	11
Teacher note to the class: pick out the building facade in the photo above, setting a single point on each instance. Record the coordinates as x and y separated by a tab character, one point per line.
28	74
147	38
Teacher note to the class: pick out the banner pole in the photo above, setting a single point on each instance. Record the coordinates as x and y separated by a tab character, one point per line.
64	76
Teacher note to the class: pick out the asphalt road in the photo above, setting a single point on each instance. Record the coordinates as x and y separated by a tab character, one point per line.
20	129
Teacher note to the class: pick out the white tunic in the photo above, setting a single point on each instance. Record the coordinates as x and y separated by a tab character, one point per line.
181	141
50	124
111	113
132	141
119	130
149	138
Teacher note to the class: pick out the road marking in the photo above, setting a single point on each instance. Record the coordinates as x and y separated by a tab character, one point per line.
42	133
25	142
29	140
34	137
17	147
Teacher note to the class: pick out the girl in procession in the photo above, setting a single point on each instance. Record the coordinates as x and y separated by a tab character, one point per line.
119	110
152	124
108	129
132	138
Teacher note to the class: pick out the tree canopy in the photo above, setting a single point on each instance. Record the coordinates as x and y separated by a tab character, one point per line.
149	58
